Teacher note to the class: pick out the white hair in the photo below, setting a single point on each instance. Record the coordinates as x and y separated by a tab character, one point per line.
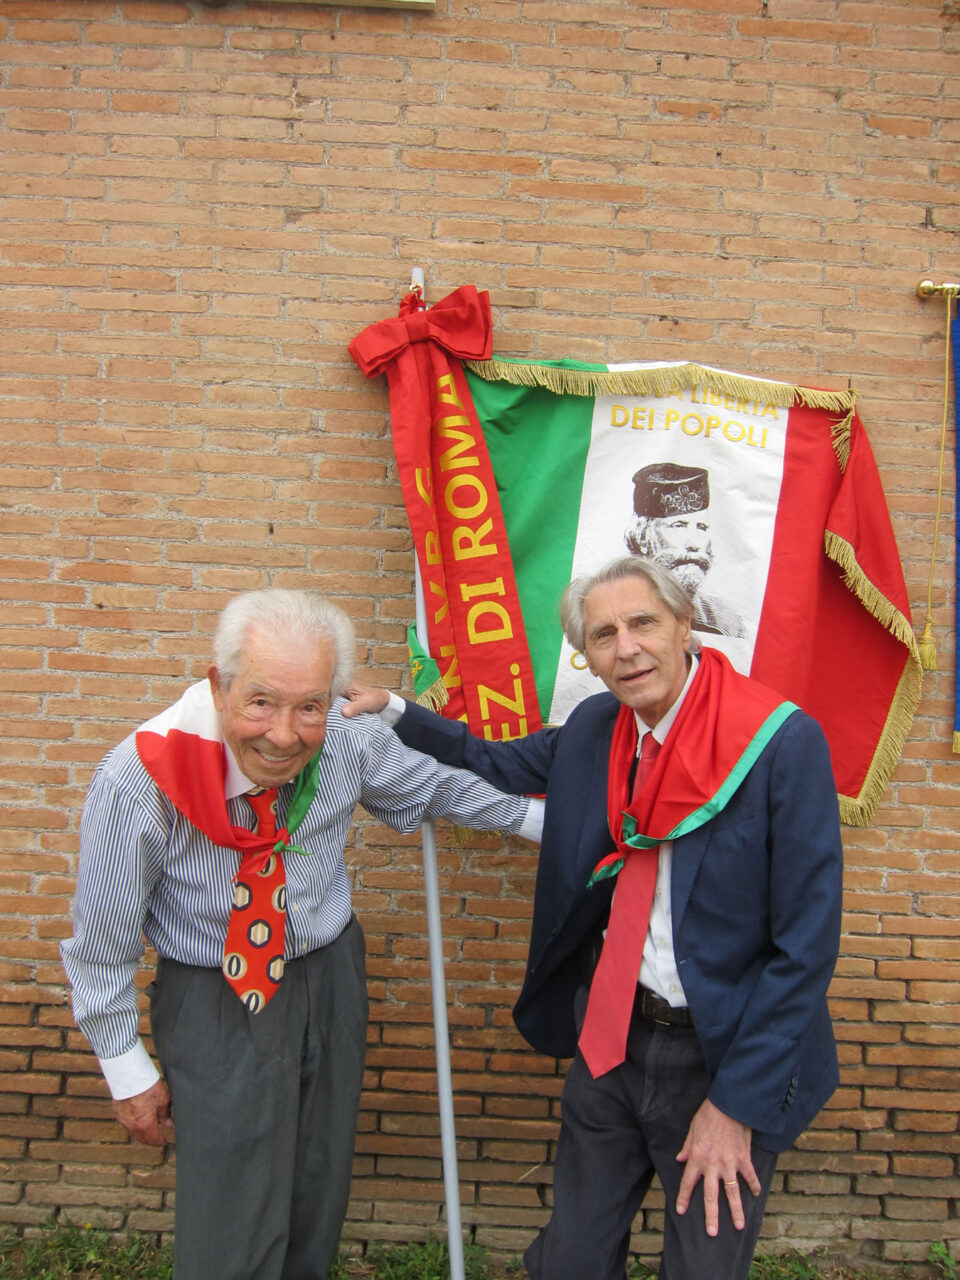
298	615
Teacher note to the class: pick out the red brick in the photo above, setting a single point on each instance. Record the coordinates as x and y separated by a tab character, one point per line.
198	216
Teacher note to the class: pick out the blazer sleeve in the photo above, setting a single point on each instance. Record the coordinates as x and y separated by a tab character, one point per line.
781	1051
521	766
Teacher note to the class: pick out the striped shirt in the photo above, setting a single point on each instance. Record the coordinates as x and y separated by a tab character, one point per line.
144	870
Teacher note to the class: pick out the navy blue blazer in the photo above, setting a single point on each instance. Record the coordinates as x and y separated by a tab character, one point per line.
755	896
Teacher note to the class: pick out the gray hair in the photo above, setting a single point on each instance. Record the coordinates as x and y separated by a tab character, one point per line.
668	589
301	615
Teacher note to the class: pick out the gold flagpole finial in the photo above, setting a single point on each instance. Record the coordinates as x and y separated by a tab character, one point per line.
927	289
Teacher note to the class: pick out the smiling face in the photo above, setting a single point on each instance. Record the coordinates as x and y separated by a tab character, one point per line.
636	645
274	711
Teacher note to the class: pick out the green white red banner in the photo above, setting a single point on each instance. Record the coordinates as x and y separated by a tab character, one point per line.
763	497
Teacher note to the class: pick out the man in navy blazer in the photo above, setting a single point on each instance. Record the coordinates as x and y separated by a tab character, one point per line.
729	1050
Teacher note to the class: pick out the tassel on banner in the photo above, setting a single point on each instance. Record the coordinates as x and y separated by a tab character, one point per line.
927	647
428	686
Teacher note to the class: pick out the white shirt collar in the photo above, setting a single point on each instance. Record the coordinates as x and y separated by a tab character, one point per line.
235	783
665	723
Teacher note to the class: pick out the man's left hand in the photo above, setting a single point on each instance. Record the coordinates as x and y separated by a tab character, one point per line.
717	1149
146	1116
361	697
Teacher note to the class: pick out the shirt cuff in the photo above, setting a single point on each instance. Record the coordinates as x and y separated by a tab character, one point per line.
391	713
129	1073
532	826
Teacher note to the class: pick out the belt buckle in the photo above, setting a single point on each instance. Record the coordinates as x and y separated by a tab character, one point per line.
649	1008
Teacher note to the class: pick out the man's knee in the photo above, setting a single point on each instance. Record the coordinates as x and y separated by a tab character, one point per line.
564	1254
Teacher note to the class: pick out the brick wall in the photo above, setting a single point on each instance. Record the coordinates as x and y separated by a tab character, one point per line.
199	207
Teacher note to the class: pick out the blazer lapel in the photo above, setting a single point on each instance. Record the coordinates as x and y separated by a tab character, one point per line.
587	835
688	853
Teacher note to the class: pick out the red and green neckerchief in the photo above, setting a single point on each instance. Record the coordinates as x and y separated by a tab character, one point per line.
723	725
183	751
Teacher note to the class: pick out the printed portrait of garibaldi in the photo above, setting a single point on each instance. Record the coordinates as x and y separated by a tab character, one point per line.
671	526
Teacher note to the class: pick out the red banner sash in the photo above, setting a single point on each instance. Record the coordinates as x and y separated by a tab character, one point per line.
476	631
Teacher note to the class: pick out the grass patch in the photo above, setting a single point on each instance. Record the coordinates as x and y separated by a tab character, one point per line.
796	1266
90	1253
428	1261
82	1253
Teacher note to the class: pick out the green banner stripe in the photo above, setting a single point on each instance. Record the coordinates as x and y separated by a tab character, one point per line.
727	789
538	445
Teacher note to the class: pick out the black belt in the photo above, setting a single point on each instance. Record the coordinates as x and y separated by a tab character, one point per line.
656	1009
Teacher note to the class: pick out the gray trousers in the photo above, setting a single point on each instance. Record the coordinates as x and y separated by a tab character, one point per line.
265	1111
616	1133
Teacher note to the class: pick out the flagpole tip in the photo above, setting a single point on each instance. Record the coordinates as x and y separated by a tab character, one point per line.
927	289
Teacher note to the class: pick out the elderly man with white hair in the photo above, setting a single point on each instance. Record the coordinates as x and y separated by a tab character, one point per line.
217	831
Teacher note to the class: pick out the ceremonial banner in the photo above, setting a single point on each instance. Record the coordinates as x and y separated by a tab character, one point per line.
762	497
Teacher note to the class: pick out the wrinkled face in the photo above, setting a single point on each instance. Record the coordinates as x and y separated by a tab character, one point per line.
636	646
274	711
682	544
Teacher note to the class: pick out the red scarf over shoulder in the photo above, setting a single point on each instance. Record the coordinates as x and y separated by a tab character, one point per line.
723	725
182	749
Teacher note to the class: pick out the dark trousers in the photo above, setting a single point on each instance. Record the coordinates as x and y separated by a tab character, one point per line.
616	1133
265	1111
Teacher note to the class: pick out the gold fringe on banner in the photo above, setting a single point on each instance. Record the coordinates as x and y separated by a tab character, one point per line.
856	811
435	696
661	380
428	687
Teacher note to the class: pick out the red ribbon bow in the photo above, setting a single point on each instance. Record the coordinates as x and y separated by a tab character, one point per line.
460	323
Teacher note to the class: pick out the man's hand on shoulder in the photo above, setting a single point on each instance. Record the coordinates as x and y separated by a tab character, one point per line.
146	1116
717	1149
361	697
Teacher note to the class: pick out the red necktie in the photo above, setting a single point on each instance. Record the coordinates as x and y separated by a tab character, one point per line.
253	952
603	1040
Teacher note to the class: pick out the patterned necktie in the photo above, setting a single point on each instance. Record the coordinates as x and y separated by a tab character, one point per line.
603	1040
253	953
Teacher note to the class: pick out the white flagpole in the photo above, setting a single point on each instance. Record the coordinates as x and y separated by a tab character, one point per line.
448	1137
